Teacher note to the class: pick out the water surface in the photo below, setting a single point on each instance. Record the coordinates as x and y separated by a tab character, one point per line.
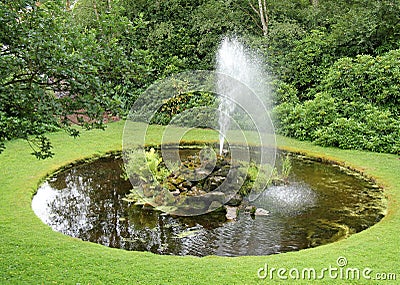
321	205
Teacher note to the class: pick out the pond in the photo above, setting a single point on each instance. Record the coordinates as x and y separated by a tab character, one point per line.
321	204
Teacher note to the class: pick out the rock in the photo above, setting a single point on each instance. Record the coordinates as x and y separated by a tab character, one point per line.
223	162
202	172
148	191
235	201
250	209
219	179
188	206
215	196
176	192
187	184
213	183
223	171
171	187
216	168
261	212
147	206
195	191
182	188
214	206
231	213
178	180
209	166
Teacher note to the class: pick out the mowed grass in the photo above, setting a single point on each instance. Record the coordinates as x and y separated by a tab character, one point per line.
32	253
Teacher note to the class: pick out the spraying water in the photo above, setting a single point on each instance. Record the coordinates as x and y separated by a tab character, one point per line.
237	70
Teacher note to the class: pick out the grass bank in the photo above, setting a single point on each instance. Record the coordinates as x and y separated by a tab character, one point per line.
31	253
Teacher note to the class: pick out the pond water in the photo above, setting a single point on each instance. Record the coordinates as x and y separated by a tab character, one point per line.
322	204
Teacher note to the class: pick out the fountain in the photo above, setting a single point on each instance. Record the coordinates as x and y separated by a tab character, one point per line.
321	204
241	121
174	204
238	72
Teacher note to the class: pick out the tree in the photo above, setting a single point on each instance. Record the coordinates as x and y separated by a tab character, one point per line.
371	27
262	13
55	75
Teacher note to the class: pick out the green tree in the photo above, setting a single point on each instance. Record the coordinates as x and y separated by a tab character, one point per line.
368	27
356	105
54	73
308	61
128	68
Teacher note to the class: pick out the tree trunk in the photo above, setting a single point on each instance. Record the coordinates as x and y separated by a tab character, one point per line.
314	3
263	14
95	10
68	5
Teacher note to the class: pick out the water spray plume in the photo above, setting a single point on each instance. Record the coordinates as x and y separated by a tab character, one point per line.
238	71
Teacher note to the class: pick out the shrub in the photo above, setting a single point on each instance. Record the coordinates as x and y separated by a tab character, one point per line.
366	79
356	106
301	120
375	130
182	102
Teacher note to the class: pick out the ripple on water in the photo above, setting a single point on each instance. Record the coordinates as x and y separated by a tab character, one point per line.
320	205
290	199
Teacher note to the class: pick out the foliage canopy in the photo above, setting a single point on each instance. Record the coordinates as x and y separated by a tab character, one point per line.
335	63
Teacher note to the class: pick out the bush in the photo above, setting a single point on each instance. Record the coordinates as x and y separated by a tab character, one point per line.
356	106
308	61
182	102
375	130
366	79
330	122
302	120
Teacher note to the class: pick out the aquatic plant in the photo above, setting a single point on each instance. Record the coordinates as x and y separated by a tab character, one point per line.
204	175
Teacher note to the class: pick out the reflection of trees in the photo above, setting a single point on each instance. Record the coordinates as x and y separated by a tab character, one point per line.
89	204
86	202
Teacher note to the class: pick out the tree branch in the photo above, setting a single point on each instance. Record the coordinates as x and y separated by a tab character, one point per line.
263	16
95	10
254	9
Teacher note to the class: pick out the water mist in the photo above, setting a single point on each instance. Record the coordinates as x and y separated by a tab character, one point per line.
238	72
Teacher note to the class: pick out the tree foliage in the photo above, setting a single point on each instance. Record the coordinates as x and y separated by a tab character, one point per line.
357	106
56	73
336	63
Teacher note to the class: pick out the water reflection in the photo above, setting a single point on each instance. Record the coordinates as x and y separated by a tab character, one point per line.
321	205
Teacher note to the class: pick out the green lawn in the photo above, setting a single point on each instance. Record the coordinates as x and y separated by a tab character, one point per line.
31	253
